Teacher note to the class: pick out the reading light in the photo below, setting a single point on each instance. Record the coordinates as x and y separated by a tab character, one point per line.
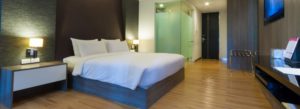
135	45
36	42
136	42
206	3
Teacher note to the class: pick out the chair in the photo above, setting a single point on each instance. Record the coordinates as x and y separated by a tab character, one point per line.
242	53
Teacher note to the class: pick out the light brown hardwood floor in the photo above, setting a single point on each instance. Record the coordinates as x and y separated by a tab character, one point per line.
208	85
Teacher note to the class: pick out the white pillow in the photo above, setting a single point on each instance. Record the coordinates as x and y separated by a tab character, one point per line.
118	47
91	48
110	43
75	47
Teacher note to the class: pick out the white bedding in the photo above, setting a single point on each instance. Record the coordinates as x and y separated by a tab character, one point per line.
127	69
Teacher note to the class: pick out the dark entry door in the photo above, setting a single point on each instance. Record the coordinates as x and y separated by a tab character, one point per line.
210	35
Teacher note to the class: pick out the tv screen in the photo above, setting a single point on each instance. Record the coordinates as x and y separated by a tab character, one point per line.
274	10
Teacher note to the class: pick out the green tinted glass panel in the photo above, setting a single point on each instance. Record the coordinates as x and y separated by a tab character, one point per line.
186	35
174	28
168	32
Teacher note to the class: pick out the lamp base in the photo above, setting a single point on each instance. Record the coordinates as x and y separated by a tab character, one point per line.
31	53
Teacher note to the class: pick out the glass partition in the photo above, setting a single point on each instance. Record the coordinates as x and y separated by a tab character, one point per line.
174	28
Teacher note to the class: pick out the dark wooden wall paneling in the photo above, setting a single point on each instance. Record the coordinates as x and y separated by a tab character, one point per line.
242	29
87	19
276	34
90	18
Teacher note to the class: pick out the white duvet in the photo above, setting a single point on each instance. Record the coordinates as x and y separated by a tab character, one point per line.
128	69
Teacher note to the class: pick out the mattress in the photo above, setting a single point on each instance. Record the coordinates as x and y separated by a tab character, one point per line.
156	66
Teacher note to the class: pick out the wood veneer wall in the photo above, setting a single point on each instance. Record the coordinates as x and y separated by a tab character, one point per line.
276	34
90	19
242	29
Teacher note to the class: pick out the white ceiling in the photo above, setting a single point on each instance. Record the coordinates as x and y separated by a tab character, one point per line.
215	5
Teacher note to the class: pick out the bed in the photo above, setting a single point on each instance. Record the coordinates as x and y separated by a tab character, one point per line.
134	79
161	72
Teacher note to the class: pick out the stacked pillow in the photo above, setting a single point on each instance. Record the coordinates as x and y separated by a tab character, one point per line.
75	43
83	48
116	45
91	48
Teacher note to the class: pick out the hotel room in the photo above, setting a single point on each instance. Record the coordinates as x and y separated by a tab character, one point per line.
149	54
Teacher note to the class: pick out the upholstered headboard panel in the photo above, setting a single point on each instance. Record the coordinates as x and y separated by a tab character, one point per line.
87	19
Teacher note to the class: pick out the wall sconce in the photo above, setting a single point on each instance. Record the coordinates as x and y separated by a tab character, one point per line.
34	43
135	45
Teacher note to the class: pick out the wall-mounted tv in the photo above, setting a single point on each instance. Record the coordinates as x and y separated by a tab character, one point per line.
274	10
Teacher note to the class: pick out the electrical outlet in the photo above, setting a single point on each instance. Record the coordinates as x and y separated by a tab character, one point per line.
30	60
25	61
35	60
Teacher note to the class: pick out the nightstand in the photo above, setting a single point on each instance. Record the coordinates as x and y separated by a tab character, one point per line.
15	79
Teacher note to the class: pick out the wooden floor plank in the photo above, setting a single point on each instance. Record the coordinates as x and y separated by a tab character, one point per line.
208	85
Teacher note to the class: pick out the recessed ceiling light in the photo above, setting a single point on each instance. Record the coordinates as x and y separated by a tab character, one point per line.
161	5
206	3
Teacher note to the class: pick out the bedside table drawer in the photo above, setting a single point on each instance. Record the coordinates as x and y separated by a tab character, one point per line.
39	76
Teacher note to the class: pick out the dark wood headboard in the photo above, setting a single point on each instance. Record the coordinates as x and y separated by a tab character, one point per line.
87	19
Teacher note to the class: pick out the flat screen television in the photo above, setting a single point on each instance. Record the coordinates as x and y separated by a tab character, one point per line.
273	10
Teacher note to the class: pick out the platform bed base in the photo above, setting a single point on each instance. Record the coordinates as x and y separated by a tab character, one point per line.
141	98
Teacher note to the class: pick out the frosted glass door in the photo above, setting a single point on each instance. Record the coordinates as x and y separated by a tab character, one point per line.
168	32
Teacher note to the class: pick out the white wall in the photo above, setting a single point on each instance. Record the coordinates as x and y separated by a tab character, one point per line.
223	34
147	24
197	45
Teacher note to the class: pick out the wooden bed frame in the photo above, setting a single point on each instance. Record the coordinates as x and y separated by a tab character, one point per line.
141	98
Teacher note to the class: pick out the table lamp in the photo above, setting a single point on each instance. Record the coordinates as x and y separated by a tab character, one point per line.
34	43
135	44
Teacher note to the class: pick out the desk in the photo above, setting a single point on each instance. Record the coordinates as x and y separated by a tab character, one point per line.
282	90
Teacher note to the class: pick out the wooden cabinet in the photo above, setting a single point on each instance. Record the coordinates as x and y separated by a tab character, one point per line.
23	77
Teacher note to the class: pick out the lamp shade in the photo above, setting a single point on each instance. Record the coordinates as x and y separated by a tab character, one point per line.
136	42
36	42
